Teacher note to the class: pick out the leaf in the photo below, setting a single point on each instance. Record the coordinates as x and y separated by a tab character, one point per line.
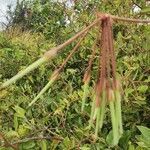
85	148
3	94
12	134
20	112
145	10
15	122
144	138
23	130
145	131
131	147
109	138
66	142
125	139
72	71
43	145
28	145
143	88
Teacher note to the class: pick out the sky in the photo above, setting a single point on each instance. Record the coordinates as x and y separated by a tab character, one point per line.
3	8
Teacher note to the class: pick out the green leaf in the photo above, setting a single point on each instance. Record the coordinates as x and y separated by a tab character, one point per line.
12	134
144	138
131	147
125	139
43	145
28	145
109	138
20	112
66	142
85	148
143	88
23	130
145	10
145	131
15	122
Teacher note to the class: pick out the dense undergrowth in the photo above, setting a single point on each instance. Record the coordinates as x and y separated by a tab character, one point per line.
57	114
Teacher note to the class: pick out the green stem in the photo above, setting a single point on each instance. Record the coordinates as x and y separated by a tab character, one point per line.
85	93
113	120
97	121
103	108
24	72
92	112
42	91
118	111
95	113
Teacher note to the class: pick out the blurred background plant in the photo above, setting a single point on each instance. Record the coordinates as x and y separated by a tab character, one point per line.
36	26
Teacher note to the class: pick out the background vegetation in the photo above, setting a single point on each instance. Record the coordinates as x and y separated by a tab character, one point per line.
37	26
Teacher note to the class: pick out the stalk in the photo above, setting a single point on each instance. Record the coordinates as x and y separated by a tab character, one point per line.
95	113
114	125
85	93
97	121
111	99
118	111
52	79
92	112
24	72
102	109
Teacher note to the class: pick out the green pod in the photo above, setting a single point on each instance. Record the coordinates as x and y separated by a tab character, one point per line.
113	117
98	115
114	125
118	111
103	106
92	111
85	94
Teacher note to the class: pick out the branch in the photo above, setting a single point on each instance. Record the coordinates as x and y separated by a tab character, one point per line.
37	138
73	38
7	143
116	18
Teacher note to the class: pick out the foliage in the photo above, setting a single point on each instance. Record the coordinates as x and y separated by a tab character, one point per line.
58	112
